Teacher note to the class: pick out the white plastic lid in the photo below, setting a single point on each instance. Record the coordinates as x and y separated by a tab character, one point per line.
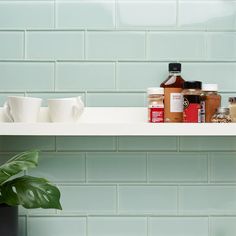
210	87
156	90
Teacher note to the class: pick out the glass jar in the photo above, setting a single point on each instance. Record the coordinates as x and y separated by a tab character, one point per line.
155	105
232	108
221	116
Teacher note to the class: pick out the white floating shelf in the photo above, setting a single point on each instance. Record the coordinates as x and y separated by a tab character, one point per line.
112	121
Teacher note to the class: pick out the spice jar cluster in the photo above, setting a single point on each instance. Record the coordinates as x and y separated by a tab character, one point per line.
177	100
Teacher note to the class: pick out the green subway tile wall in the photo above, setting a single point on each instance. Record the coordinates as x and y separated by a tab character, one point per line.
109	52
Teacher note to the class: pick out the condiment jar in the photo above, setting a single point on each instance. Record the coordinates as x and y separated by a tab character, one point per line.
232	108
192	101
210	101
155	105
221	116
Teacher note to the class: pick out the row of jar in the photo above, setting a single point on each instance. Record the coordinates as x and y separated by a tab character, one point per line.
196	103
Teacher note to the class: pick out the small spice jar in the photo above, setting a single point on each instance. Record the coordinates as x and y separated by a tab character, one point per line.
155	105
221	116
232	108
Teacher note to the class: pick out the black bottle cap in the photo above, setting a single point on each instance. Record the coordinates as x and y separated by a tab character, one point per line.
174	67
192	85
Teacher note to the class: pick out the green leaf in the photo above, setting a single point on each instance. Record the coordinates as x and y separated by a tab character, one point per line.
30	192
18	163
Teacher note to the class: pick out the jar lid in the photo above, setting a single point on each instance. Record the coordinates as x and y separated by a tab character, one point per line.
232	99
210	87
155	90
192	85
223	110
174	67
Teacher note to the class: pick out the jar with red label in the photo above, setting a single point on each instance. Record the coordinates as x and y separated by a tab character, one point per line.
155	105
192	101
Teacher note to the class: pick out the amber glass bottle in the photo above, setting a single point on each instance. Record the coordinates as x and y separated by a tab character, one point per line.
173	87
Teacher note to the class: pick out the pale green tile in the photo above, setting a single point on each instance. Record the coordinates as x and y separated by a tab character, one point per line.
26	76
57	226
51	45
215	200
85	143
85	76
146	14
141	75
18	143
22	226
117	226
223	167
3	97
172	226
85	14
177	167
27	15
223	226
147	143
11	45
61	167
176	46
116	45
88	199
147	200
115	167
219	143
116	99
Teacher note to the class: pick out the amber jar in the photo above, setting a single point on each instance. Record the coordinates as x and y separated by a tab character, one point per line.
173	87
232	108
221	116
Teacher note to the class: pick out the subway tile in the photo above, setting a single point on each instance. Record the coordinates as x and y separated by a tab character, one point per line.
147	143
207	200
176	46
114	226
223	226
27	15
11	45
223	167
115	99
221	46
26	76
147	200
85	76
51	45
61	167
141	75
87	14
22	226
177	167
18	143
60	226
225	99
116	45
86	143
146	13
172	226
218	15
116	167
219	143
88	199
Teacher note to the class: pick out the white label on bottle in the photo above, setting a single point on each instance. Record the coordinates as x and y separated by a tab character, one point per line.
176	102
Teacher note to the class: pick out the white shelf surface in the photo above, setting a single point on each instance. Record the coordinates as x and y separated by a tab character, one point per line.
112	121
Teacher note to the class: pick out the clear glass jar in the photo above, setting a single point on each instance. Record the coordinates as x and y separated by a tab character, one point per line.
221	116
232	108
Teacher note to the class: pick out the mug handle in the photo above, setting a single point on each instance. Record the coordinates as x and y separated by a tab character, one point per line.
7	111
78	108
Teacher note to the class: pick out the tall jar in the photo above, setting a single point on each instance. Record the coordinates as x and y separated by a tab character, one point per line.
192	101
232	108
155	105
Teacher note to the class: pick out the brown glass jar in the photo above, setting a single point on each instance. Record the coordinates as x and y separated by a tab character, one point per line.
173	86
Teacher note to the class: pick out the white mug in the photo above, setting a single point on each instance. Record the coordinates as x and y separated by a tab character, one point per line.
65	109
22	109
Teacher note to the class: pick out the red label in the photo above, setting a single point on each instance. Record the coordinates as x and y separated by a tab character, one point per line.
192	113
156	115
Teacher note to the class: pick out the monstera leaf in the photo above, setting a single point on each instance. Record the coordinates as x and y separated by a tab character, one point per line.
18	163
30	192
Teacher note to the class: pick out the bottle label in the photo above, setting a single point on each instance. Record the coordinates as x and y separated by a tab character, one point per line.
203	111
192	109
156	114
176	102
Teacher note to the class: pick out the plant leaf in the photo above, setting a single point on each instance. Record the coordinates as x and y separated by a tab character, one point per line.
31	192
18	163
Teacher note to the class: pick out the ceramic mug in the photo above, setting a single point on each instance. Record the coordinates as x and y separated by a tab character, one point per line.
22	109
65	109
